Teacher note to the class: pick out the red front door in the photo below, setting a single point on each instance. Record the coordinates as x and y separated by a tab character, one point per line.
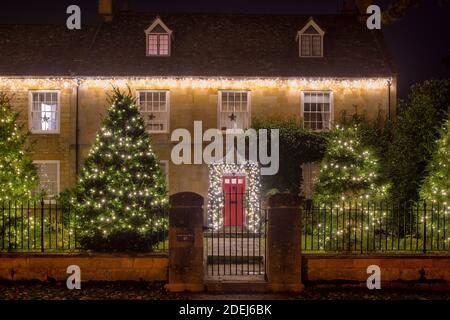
233	190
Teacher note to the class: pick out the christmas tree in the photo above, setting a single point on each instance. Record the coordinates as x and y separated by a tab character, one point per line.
18	175
348	181
435	189
436	185
121	190
349	169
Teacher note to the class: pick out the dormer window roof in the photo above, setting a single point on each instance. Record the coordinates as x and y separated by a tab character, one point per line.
158	37
310	40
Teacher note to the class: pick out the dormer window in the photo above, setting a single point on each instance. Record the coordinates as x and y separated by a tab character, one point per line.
310	40
159	37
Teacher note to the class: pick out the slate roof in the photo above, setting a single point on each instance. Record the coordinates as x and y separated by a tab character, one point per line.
220	45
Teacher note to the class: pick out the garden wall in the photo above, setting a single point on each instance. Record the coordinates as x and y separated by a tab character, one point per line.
96	267
400	270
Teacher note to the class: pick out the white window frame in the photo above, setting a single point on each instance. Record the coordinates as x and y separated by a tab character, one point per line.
219	106
302	104
30	109
301	32
138	92
58	166
166	164
167	32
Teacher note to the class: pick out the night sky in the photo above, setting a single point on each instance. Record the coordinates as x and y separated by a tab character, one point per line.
418	43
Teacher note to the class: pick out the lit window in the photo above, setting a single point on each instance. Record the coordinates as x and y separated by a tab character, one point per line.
158	38
234	110
48	173
154	108
158	44
311	40
317	109
44	112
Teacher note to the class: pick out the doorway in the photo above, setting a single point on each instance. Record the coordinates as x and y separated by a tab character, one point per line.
233	192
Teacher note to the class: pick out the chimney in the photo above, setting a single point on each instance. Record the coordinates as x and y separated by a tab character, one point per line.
348	7
105	10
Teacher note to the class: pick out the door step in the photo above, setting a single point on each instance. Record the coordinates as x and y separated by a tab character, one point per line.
230	286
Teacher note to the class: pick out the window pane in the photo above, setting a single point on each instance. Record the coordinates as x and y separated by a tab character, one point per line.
44	111
48	178
305	45
234	110
152	44
154	110
317	112
163	44
316	45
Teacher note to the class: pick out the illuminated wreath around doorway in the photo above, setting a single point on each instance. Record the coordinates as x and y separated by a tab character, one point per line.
252	203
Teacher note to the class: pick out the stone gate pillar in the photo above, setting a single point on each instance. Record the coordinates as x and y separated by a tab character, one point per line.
185	242
284	243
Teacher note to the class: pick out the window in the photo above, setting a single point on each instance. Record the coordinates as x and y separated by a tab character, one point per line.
48	173
310	40
234	109
317	109
164	167
158	39
158	45
44	111
154	108
310	171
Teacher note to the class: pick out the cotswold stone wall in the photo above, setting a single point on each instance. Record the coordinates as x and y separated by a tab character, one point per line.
95	267
395	269
403	271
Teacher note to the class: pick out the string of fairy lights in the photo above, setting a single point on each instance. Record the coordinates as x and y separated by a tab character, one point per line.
300	83
121	180
17	174
351	205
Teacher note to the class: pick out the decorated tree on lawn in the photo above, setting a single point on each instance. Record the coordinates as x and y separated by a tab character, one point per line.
18	175
349	180
349	170
435	190
121	190
436	185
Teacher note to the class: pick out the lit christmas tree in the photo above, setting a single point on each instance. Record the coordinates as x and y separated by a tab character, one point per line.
349	170
436	186
345	193
121	190
435	192
18	175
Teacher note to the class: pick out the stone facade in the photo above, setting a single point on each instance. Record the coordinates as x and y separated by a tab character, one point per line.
188	102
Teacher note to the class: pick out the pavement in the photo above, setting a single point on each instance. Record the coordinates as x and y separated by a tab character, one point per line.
35	290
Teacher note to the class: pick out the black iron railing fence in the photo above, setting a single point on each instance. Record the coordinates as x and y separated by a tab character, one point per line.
370	227
344	227
51	226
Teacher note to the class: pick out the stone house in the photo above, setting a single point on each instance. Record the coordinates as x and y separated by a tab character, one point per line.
221	69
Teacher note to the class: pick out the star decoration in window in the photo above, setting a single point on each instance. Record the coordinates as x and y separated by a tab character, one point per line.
232	117
45	118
